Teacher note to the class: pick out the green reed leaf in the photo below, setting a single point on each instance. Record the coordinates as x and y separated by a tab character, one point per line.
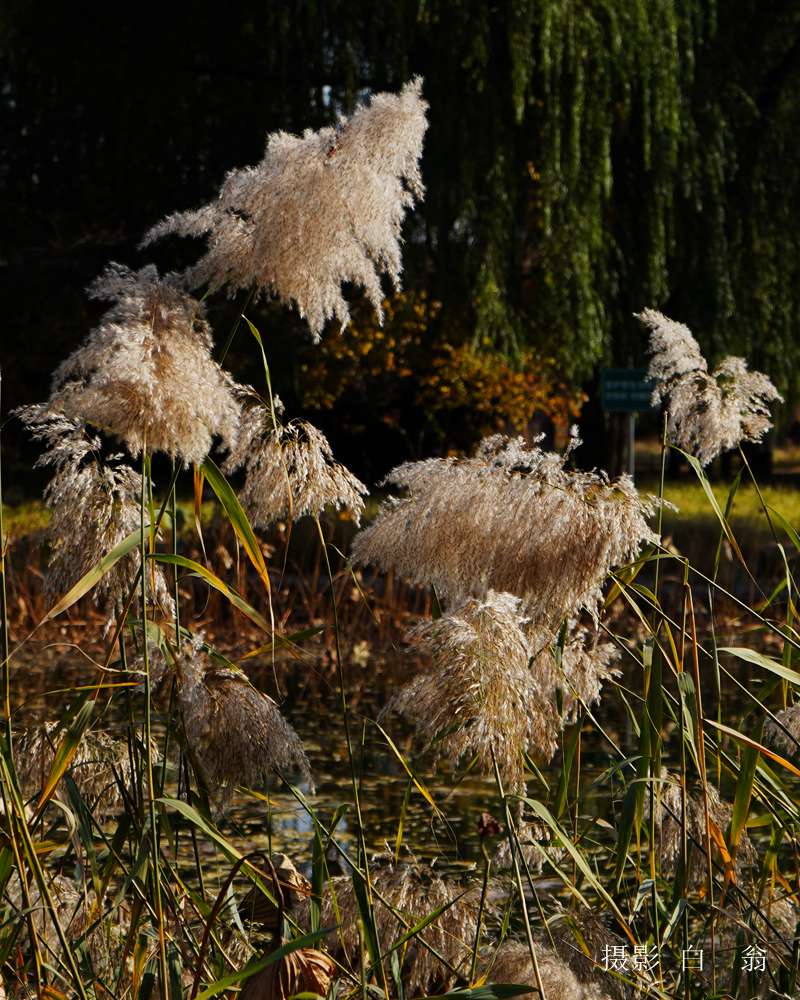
760	660
239	521
214	581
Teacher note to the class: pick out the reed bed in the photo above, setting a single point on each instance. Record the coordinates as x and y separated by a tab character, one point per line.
549	607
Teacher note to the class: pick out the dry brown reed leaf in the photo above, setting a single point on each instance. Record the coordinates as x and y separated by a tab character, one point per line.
511	519
145	374
292	887
707	413
318	210
305	970
290	470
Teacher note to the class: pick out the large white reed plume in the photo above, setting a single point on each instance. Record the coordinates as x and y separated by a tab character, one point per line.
490	688
707	413
511	519
145	374
318	210
479	696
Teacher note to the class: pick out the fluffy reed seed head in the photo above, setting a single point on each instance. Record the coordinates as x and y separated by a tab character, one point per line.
784	734
290	470
669	831
584	665
512	963
318	210
305	970
415	891
100	765
511	519
235	733
479	697
101	938
145	374
94	505
707	413
490	690
580	937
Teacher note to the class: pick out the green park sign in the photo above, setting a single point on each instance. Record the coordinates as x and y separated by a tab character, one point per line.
626	390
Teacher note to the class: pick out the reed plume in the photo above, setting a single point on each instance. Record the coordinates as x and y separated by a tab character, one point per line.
783	732
317	211
290	470
670	835
100	936
100	768
414	891
145	374
512	963
480	697
707	413
581	937
235	733
510	519
94	505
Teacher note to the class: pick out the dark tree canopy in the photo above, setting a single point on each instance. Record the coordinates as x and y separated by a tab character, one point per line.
585	158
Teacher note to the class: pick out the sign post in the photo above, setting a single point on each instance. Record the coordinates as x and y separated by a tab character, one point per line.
627	390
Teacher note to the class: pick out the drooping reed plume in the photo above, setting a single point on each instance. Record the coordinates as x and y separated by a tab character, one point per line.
708	413
145	374
669	831
94	505
100	768
290	470
511	962
99	936
783	732
415	891
235	733
318	210
510	519
480	697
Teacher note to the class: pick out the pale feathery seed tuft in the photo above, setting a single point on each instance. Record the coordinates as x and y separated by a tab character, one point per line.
318	210
415	891
145	374
235	733
707	413
783	732
290	471
94	505
513	519
479	697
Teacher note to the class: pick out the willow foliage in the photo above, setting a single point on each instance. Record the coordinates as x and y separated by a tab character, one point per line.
586	157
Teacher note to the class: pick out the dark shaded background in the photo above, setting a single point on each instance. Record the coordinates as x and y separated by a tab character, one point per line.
114	116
